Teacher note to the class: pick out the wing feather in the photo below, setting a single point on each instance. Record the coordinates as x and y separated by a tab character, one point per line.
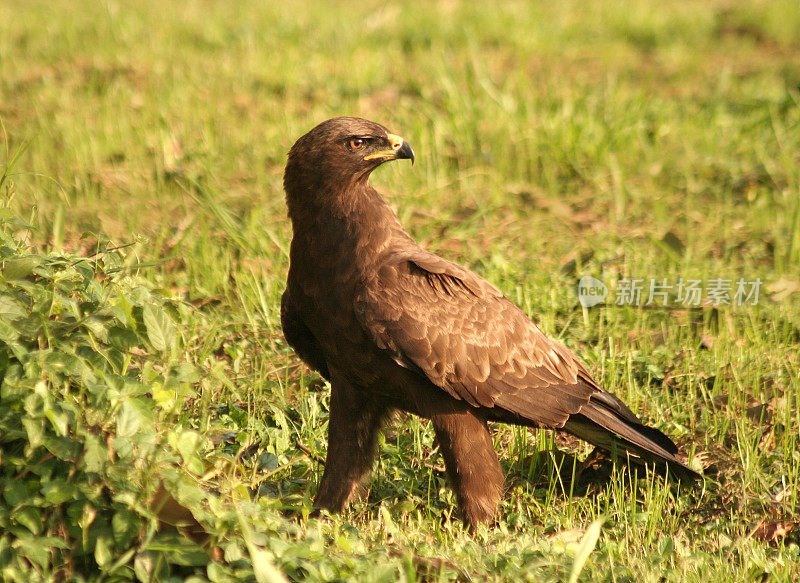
467	338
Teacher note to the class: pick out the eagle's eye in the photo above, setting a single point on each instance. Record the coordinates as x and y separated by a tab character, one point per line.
357	143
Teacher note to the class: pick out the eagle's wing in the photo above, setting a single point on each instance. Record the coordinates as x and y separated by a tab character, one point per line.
468	339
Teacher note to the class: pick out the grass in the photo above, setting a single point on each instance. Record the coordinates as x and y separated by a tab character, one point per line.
640	139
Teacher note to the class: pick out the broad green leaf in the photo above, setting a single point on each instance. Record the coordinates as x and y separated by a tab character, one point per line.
14	492
64	448
144	566
59	420
122	338
140	296
35	431
124	525
20	267
128	420
160	328
30	518
34	549
8	332
102	551
123	310
59	491
98	327
63	362
187	443
95	453
11	309
268	461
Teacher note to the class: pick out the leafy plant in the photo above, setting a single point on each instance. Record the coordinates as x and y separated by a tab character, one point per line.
90	387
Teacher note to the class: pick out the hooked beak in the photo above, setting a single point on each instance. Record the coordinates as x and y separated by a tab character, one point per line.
398	150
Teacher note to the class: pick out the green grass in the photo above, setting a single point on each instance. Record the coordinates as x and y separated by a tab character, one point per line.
543	134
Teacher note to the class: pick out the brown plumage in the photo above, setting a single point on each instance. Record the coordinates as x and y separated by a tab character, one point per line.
393	326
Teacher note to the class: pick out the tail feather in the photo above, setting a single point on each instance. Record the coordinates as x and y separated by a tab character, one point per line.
603	424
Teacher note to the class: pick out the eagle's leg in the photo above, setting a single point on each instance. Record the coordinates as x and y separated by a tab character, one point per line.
471	462
353	428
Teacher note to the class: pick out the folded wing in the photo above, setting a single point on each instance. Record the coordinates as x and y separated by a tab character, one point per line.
459	331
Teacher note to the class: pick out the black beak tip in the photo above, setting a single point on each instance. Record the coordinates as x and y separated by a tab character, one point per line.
405	152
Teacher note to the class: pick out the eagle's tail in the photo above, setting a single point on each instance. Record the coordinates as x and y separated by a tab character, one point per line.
606	422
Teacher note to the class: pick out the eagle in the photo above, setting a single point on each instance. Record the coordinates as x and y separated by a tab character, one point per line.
392	326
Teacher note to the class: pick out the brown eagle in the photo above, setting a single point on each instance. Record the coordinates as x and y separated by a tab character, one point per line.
393	327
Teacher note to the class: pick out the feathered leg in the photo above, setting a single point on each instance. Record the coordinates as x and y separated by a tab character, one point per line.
352	438
471	462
